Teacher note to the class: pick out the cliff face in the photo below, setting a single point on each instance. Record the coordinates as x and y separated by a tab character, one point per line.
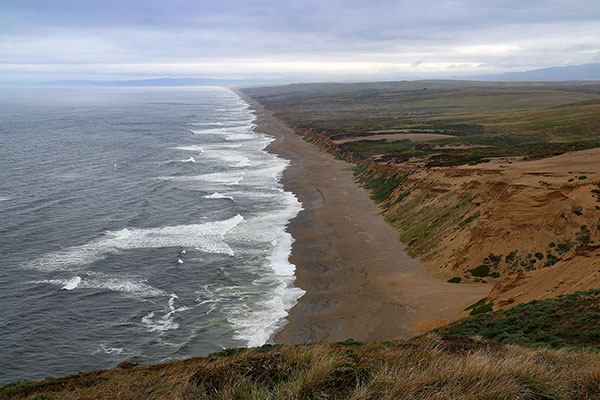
326	144
531	227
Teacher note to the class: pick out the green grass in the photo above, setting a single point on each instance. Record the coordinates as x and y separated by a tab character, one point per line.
422	227
383	187
530	120
566	321
481	307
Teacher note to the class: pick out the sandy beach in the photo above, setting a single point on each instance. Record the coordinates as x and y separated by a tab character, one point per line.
359	281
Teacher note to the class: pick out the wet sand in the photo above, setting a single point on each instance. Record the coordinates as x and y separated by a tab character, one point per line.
359	281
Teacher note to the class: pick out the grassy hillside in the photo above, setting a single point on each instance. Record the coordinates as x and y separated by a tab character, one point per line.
432	367
486	119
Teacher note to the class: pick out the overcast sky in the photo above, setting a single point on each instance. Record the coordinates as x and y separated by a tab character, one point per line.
299	39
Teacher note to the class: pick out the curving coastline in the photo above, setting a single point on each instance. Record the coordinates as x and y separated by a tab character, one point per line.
359	281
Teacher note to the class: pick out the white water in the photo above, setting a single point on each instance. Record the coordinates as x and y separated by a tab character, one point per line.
207	237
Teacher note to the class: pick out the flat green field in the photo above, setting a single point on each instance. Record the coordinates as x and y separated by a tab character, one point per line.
487	119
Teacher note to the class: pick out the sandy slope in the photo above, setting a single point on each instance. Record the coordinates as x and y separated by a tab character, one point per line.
523	207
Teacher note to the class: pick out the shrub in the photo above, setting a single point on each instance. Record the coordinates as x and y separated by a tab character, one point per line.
583	236
550	259
456	279
577	210
481	271
564	247
495	259
510	257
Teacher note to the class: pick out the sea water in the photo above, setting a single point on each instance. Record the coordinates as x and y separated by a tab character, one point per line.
146	224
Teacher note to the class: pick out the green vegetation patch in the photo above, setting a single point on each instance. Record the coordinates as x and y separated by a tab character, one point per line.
487	120
482	271
384	189
469	219
481	307
359	169
566	321
584	235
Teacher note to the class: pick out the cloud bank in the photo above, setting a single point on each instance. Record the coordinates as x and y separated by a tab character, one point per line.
302	39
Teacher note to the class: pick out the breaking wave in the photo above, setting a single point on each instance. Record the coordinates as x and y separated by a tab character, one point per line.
207	237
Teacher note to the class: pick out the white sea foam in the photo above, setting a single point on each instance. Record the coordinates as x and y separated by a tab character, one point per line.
104	348
197	149
207	237
257	311
240	131
234	137
217	195
72	283
166	322
226	178
256	326
207	123
191	159
3	198
229	158
209	131
93	280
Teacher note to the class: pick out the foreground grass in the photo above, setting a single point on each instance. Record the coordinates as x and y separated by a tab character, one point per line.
432	367
569	320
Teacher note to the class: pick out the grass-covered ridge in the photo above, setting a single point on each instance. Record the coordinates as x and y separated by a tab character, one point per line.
487	119
431	367
566	321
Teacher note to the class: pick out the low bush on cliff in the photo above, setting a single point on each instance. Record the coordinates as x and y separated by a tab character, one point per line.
431	367
564	321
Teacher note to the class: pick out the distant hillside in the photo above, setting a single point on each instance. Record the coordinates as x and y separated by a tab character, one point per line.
584	72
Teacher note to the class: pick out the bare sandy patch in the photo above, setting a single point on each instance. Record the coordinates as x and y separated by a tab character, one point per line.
413	137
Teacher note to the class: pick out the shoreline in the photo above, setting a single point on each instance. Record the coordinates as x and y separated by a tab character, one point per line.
359	281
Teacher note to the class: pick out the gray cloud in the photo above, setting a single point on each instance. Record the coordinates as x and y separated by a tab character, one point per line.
300	38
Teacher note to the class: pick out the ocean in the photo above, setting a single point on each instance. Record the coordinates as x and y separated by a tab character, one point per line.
146	224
